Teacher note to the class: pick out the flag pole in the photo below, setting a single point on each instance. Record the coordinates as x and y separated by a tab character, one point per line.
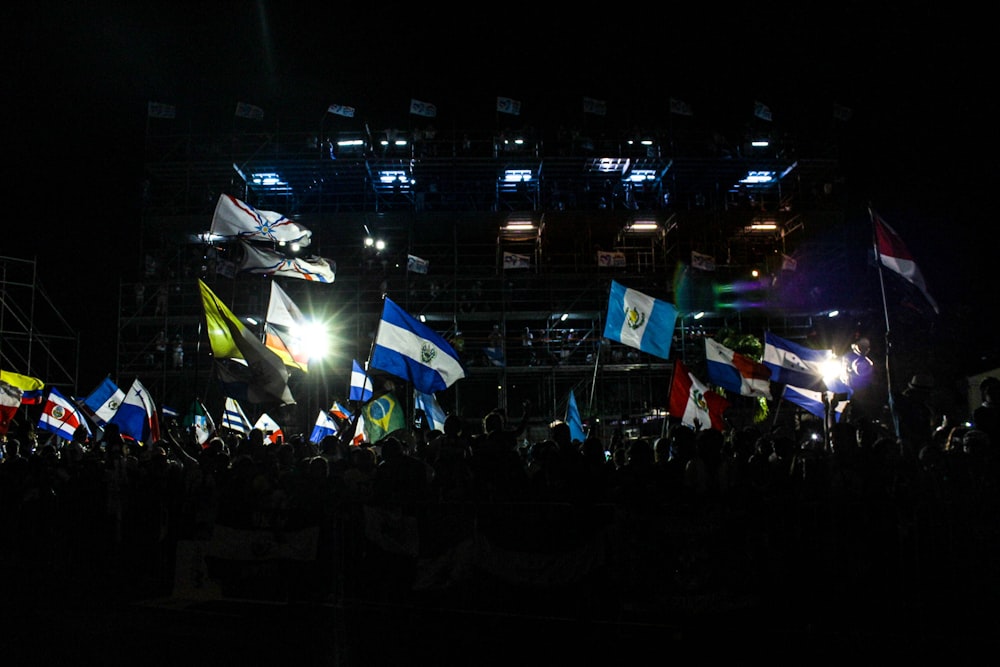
888	337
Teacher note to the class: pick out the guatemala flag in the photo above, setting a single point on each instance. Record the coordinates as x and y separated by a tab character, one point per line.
640	321
136	418
812	402
361	384
324	426
60	416
413	351
735	372
800	366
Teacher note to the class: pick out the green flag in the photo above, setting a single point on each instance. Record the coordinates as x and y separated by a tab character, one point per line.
383	415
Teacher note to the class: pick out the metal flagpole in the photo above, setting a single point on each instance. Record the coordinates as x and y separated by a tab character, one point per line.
888	337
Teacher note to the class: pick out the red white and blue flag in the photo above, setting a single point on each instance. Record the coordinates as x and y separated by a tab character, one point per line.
693	403
736	372
60	416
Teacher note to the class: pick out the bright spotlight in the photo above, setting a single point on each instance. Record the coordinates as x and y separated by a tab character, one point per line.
315	339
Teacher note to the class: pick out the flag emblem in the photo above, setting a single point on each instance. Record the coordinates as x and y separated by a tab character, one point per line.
634	318
59	413
427	353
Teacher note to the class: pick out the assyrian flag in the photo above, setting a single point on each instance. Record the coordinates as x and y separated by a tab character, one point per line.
812	402
693	403
414	352
736	372
269	262
324	426
762	111
640	321
800	366
596	107
361	384
104	401
60	416
702	261
893	254
31	388
512	260
270	428
244	110
680	108
426	109
233	217
432	409
234	418
10	401
416	264
507	105
202	423
137	417
341	110
160	110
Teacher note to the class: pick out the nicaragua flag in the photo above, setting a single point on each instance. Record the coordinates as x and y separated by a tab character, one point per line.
800	366
736	372
640	321
361	384
324	426
59	416
812	402
234	418
104	401
137	418
413	351
432	410
691	401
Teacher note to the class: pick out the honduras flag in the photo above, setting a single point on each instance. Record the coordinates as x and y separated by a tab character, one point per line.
812	402
413	351
361	384
799	366
640	321
137	418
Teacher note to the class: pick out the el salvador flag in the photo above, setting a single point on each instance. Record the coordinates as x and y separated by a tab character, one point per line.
640	321
413	351
361	384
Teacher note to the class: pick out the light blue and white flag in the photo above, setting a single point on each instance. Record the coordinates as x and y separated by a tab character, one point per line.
800	366
137	417
640	321
234	418
812	402
426	109
341	110
104	401
324	426
573	419
433	412
361	384
413	351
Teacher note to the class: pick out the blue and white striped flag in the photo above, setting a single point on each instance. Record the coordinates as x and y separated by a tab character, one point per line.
413	351
432	409
361	384
234	418
800	366
812	402
640	321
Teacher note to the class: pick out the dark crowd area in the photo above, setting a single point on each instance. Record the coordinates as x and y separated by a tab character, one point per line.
450	546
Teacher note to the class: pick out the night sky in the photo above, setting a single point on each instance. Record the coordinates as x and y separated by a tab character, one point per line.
920	145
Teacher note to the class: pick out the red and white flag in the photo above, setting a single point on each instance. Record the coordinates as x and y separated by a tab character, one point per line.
736	372
693	403
272	431
894	255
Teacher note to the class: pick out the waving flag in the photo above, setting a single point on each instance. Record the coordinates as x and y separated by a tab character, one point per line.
735	372
31	387
269	262
235	218
341	110
800	366
640	321
343	414
893	254
102	403
413	351
272	431
61	417
324	426
10	401
248	370
426	109
383	415
573	419
137	418
234	418
433	413
691	401
283	329
202	422
508	105
361	384
812	402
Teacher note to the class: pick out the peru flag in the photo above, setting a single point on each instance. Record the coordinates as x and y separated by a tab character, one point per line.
735	372
693	403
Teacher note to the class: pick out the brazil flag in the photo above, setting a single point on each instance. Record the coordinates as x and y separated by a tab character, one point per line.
383	415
